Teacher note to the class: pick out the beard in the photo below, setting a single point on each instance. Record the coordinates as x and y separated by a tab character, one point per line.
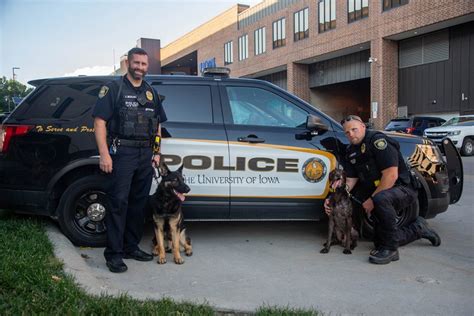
136	74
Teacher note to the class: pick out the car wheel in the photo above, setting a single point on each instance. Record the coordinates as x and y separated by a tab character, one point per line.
404	216
467	147
82	209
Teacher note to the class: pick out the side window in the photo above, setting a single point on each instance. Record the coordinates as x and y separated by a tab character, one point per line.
417	123
60	101
433	123
186	103
255	106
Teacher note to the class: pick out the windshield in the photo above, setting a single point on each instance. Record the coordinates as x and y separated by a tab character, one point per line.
395	124
466	123
458	119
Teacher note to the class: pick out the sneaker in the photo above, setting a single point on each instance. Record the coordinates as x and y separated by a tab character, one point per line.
384	256
427	232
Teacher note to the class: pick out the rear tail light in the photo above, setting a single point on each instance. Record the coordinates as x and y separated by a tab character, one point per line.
410	130
7	132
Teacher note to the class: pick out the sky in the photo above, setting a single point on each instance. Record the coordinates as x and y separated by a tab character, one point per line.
54	38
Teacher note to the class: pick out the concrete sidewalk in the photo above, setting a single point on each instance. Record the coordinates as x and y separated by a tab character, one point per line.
242	266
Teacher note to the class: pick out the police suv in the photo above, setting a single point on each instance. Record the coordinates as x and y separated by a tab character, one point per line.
250	150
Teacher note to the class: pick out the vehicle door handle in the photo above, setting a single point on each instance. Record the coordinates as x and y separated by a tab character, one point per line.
253	139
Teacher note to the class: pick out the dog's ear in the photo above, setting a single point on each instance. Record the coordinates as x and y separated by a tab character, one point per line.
163	169
180	169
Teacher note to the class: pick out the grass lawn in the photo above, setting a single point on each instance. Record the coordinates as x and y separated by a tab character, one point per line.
32	281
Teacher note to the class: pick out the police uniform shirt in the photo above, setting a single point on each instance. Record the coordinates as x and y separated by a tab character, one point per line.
385	154
105	105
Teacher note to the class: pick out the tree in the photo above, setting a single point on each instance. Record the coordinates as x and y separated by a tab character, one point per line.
8	89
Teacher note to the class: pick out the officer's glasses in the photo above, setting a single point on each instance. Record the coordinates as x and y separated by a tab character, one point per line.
351	118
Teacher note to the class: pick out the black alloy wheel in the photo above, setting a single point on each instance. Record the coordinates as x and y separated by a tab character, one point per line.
82	210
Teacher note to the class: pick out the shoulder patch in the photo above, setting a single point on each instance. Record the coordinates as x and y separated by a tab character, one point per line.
380	143
103	91
149	95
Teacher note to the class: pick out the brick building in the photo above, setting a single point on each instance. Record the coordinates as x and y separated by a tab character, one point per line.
375	58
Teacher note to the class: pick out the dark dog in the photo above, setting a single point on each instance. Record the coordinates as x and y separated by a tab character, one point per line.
167	215
340	220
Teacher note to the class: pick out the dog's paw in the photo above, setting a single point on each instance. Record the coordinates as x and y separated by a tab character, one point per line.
324	250
161	260
347	252
189	253
168	249
178	260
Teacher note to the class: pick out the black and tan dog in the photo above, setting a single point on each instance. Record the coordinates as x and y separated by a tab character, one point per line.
340	220
166	205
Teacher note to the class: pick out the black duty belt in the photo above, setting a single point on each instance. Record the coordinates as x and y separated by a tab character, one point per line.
133	143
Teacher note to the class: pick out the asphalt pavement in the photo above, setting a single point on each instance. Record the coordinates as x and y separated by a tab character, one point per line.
244	265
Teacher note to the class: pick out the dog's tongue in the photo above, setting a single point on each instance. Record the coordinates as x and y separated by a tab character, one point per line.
336	184
180	196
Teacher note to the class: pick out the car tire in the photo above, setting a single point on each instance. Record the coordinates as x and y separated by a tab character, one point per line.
467	148
404	216
82	209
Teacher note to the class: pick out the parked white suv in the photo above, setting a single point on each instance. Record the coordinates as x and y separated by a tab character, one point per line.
459	129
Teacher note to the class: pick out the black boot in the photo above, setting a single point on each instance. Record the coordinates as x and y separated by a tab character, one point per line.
383	256
375	250
116	266
427	232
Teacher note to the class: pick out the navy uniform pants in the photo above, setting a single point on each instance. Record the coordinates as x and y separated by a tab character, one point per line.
129	187
386	233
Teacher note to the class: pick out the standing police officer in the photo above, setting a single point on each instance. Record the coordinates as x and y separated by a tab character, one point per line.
127	119
374	159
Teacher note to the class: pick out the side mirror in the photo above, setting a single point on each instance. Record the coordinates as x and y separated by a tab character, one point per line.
314	124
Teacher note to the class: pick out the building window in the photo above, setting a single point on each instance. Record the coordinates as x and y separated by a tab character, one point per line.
228	53
244	47
390	4
279	37
327	15
357	9
301	25
260	46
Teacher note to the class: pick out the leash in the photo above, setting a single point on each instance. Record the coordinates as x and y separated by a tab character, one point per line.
156	175
355	199
351	196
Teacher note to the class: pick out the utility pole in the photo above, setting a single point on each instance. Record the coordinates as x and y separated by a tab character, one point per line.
13	72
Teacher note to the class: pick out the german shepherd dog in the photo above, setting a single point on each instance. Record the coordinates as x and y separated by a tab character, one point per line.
167	215
340	220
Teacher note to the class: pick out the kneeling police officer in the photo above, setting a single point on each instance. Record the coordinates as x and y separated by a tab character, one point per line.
127	119
374	160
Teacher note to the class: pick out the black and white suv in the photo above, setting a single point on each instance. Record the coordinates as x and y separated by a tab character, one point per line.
250	150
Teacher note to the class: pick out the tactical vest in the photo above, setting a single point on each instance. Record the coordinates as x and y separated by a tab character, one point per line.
362	158
136	115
